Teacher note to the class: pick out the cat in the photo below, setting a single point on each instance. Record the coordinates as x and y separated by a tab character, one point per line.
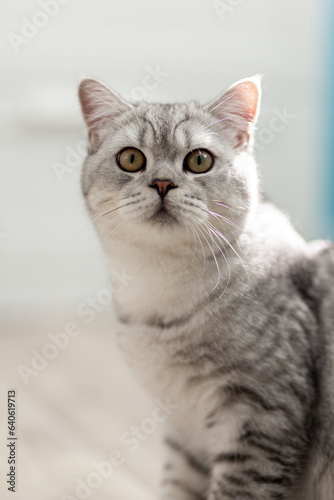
229	314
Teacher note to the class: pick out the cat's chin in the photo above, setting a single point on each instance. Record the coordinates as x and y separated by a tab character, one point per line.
163	218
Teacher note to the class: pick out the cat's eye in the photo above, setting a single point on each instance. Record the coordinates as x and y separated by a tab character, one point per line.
198	161
131	159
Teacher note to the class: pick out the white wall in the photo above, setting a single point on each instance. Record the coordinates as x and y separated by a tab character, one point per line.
47	244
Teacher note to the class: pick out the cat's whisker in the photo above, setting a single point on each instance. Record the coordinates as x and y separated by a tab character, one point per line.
211	233
213	255
124	223
228	269
200	241
114	233
218	233
99	216
222	237
111	222
188	224
82	229
119	218
226	261
118	208
102	203
226	206
188	237
218	216
96	209
109	200
92	234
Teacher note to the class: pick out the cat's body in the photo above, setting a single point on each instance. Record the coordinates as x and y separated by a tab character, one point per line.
228	315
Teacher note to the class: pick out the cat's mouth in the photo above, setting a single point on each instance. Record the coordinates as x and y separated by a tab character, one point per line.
163	216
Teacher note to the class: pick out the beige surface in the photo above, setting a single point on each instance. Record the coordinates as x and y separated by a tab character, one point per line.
73	413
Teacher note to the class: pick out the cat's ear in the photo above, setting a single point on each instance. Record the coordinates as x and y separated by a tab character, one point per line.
100	107
237	110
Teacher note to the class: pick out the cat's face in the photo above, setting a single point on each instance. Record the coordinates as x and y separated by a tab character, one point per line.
159	172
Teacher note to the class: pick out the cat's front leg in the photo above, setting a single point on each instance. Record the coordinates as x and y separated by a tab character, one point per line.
249	475
185	477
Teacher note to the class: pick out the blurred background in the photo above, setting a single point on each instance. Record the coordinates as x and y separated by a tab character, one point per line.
50	259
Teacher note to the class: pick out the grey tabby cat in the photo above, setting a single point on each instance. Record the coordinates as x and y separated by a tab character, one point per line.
230	313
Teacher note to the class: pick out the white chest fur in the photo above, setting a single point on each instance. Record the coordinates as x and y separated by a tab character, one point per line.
159	284
163	289
192	398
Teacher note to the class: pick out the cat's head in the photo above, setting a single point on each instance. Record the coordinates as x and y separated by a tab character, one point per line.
159	172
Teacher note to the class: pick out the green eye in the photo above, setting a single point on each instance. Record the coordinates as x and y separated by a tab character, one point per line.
198	161
131	159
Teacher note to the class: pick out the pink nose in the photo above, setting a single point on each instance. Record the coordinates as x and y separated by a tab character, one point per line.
162	186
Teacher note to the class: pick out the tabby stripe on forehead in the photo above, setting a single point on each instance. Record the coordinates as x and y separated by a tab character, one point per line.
178	124
191	461
146	120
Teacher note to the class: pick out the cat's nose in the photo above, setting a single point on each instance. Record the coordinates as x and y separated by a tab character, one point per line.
162	186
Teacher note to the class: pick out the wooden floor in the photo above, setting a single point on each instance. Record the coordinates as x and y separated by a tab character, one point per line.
72	413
